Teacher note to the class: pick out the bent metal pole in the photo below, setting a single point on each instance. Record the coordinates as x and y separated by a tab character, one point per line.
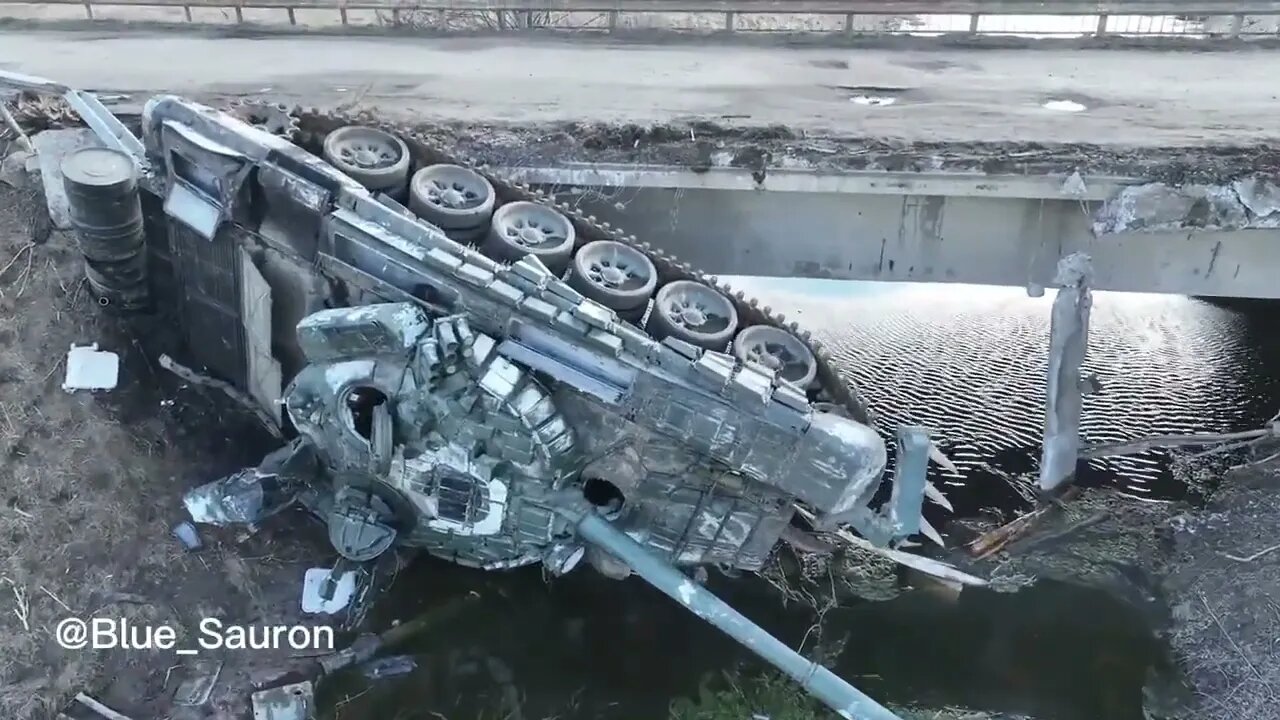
846	700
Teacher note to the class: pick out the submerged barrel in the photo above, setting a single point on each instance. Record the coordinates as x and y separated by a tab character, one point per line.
106	213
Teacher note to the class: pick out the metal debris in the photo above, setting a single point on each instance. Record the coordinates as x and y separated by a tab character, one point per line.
270	424
187	534
89	368
287	702
387	667
202	677
12	124
99	708
314	599
908	492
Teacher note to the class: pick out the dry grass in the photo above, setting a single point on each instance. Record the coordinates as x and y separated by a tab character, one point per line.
79	505
1225	590
89	487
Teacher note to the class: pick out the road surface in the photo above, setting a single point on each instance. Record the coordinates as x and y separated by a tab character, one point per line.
1130	97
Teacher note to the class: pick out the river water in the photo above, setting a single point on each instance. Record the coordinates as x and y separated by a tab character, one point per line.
968	362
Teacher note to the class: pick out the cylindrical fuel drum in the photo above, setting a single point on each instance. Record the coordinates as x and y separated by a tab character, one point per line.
102	193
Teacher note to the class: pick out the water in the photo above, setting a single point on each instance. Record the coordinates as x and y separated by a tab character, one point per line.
968	362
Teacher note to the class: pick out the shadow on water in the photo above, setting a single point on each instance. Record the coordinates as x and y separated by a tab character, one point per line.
584	646
967	362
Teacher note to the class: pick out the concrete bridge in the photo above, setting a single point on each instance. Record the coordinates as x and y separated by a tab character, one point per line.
1001	167
787	178
913	226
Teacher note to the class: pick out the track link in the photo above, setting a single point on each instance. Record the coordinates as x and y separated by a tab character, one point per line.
835	388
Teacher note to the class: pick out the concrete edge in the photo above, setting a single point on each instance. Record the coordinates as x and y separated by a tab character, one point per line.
952	41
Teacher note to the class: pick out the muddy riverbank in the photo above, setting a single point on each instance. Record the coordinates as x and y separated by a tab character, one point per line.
1223	588
91	485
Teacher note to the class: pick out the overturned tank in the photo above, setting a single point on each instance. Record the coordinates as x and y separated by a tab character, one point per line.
468	368
455	392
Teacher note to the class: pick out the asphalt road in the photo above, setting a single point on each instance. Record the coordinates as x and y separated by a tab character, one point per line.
1130	97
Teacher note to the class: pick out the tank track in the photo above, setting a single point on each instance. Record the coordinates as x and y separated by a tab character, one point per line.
833	386
835	390
275	118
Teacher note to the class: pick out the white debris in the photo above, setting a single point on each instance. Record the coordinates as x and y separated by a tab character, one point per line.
1064	106
89	368
287	702
685	591
936	455
312	583
930	532
1074	185
932	492
1259	195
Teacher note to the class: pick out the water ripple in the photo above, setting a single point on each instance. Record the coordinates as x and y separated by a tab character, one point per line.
970	363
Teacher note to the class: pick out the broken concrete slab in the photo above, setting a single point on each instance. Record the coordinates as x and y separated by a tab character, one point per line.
1260	196
51	146
1157	206
1248	202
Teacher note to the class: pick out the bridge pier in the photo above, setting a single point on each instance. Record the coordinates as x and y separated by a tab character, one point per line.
1068	341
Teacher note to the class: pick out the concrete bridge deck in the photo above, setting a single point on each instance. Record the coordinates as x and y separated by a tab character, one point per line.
963	177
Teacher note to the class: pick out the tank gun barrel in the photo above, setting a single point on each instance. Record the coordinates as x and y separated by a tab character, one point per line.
846	700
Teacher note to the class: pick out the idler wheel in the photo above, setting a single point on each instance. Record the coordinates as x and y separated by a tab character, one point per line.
451	197
778	350
613	274
694	313
524	228
373	158
272	118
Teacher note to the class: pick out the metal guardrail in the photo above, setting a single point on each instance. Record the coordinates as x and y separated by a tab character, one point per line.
1216	18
